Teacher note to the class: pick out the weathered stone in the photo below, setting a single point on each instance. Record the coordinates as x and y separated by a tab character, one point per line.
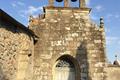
67	40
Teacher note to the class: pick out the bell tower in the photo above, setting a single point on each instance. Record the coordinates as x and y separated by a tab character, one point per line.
82	3
68	7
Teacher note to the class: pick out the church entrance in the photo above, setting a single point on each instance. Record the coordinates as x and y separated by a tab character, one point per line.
64	70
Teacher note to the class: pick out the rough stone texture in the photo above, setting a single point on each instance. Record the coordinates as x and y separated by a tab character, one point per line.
63	33
15	45
113	73
68	31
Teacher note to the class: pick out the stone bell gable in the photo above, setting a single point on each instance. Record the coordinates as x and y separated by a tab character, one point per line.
68	40
63	43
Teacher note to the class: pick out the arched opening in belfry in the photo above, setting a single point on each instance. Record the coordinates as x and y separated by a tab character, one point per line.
74	3
59	3
68	3
66	69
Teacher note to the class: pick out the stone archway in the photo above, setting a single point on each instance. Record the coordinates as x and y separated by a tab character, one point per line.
66	69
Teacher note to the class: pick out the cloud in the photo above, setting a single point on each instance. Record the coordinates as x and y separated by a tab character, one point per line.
95	15
111	16
117	16
17	3
112	40
31	10
20	3
99	8
13	4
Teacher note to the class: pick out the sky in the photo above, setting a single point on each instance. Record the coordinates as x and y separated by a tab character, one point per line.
109	9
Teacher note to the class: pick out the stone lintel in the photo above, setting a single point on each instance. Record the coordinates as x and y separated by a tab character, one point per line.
72	9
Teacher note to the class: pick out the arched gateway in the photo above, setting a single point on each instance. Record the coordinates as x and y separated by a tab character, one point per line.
65	69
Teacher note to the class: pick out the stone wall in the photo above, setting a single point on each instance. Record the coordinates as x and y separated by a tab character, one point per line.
63	33
113	73
15	45
66	31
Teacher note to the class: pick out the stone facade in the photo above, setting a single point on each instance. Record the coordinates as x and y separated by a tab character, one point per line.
63	37
69	32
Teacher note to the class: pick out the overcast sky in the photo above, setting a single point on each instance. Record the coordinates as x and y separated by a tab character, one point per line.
109	9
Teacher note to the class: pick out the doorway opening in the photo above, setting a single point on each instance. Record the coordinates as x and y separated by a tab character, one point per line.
65	69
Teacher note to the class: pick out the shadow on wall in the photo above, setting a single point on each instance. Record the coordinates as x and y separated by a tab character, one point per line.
2	75
8	26
82	58
14	27
70	68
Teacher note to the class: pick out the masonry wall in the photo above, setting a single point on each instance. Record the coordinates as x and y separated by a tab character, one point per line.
68	32
15	45
113	73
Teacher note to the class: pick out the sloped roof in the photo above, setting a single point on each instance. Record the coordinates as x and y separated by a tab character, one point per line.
5	16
